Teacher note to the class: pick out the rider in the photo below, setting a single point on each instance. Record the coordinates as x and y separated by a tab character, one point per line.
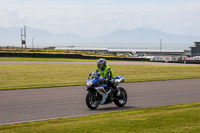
108	74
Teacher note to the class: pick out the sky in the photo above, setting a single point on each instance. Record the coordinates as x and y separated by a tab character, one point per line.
89	18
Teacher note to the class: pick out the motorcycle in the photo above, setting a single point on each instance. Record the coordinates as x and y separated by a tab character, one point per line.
99	93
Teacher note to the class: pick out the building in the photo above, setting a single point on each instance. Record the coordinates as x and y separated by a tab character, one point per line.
124	51
142	52
153	55
195	50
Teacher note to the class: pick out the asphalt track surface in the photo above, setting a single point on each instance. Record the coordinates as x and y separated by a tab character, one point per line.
18	106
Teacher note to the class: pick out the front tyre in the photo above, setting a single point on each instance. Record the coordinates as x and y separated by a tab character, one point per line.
122	99
92	100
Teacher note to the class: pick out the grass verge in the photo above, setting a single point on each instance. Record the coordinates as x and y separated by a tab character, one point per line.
44	59
37	76
53	59
51	51
181	118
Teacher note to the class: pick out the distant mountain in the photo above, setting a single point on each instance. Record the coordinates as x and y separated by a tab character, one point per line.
144	35
12	36
9	35
45	36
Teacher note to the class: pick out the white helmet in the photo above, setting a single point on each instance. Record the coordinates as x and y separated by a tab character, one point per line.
101	64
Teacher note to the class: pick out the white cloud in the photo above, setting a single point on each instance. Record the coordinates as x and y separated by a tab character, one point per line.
10	18
95	17
187	1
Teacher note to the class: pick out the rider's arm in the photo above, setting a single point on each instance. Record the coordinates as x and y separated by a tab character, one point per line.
109	74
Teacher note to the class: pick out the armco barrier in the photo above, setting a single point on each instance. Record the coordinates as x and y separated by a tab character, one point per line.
182	61
73	56
186	61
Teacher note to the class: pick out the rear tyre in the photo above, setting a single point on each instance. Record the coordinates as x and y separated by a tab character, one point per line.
92	100
121	100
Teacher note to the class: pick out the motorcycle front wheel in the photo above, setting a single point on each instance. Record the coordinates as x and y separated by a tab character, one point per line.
92	100
121	101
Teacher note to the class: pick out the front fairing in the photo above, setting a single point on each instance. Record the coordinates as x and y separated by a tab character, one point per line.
96	84
92	82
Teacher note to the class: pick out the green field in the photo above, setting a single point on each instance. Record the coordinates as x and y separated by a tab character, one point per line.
51	51
37	76
182	118
44	59
53	59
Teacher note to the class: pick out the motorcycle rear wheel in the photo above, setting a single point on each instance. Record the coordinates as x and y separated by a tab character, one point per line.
121	101
91	100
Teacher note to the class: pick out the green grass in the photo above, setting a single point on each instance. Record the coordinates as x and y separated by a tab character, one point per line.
37	76
51	51
54	59
44	59
182	118
48	51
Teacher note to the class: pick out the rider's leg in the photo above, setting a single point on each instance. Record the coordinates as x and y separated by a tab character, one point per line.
115	89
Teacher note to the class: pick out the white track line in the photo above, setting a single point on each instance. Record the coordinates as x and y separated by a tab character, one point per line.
21	122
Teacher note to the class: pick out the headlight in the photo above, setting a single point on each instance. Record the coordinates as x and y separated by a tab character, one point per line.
89	83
